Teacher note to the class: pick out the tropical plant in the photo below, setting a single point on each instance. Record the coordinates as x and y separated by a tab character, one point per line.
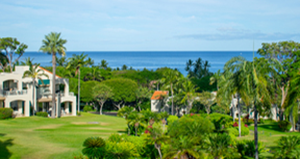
121	150
288	147
94	75
11	47
198	69
103	64
124	112
183	147
170	77
207	99
94	147
142	94
135	120
53	44
28	61
188	92
157	137
75	62
101	94
246	148
34	73
219	146
284	125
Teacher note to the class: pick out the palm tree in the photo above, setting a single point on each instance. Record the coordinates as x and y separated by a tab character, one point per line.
77	61
94	75
124	112
236	66
34	72
27	62
53	44
189	93
170	77
258	85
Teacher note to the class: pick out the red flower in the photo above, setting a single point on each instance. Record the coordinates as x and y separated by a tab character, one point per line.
235	124
192	114
246	125
147	131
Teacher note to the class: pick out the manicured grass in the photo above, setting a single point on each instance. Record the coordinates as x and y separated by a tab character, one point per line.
268	133
38	137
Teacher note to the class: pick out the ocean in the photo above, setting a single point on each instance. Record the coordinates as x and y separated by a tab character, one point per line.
150	59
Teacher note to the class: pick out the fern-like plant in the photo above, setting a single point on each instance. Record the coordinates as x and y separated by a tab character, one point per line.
288	147
94	147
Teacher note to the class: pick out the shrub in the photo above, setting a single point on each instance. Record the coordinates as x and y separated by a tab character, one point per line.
284	125
219	146
221	121
115	138
246	148
288	147
233	131
244	130
94	147
6	113
171	119
122	150
140	130
78	113
87	108
42	114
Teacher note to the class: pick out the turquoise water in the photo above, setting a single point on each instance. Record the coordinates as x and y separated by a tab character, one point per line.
151	59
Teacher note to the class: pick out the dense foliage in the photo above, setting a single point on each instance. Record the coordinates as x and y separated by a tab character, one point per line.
42	114
6	113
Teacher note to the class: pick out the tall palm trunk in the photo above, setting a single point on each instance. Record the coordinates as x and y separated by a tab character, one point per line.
172	99
255	131
78	104
239	109
53	85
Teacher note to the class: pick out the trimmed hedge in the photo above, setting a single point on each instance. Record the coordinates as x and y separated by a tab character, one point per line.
88	108
6	113
42	114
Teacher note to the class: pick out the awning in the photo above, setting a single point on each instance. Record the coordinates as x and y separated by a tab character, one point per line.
2	98
45	100
45	82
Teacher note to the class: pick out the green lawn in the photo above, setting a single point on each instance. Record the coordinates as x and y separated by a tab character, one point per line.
268	133
38	137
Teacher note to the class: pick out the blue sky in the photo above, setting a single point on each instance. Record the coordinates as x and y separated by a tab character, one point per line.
152	25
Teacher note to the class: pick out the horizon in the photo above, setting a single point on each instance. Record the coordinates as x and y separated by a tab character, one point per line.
132	25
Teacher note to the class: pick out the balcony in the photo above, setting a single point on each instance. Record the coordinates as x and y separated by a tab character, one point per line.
15	92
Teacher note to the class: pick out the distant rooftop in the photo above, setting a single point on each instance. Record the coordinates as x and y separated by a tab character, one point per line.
159	95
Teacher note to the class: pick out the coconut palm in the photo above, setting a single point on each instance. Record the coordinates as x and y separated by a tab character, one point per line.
236	66
28	61
189	93
53	44
34	72
94	75
170	77
77	61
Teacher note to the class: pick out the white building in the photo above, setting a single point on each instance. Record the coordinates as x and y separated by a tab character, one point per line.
234	111
17	93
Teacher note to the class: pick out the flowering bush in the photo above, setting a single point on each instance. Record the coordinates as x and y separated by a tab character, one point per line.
246	125
235	124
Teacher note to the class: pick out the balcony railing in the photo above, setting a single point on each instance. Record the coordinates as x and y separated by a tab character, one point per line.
16	92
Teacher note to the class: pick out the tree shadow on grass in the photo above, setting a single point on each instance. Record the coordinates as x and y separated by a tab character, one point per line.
4	152
123	132
273	127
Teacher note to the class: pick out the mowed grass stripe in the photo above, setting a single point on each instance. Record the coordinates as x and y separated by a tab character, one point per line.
37	137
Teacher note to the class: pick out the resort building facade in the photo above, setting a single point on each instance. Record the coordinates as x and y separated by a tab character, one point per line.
17	93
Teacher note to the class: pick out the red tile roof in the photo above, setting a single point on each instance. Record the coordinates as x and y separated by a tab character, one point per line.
158	95
49	71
